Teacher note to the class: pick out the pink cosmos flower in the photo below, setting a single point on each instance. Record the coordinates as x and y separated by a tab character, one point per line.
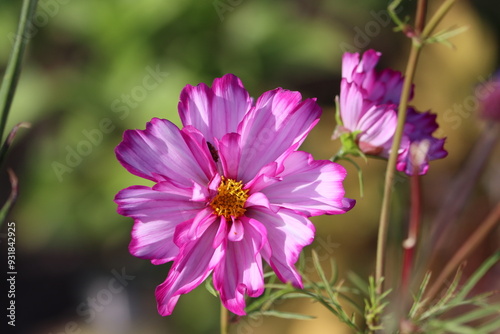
230	190
369	102
379	87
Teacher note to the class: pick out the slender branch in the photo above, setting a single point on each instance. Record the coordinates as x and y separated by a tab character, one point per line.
420	16
470	244
418	42
436	18
13	70
391	165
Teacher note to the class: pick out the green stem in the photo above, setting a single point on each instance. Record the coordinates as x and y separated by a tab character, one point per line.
391	165
420	16
13	70
417	44
224	320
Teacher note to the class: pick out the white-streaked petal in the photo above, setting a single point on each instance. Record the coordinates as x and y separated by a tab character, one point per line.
156	215
195	262
278	123
240	272
287	233
312	187
163	152
215	111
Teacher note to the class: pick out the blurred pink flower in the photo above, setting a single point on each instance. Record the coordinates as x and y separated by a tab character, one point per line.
368	108
488	95
230	190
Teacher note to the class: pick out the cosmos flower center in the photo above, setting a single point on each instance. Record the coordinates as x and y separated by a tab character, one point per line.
230	199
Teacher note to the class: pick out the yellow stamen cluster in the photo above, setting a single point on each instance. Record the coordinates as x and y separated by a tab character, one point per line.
230	199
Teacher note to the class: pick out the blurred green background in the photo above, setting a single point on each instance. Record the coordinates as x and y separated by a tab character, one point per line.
95	68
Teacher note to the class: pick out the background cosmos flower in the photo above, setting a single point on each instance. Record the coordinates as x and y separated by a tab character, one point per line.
230	190
488	96
369	103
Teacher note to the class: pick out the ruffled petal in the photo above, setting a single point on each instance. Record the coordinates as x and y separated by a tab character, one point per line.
312	187
265	177
287	233
195	262
156	214
278	123
215	111
421	146
200	223
163	152
257	199
241	272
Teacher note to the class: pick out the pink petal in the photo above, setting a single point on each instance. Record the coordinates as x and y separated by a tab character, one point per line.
215	111
257	199
156	214
265	177
369	60
350	62
352	105
200	223
221	234
240	272
230	155
378	125
362	72
236	232
313	187
192	266
278	123
287	233
163	152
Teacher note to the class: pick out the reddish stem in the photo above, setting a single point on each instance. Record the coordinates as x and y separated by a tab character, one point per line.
414	225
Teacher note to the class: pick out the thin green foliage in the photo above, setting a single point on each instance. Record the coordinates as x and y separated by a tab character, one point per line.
432	318
424	317
287	315
375	305
326	291
7	91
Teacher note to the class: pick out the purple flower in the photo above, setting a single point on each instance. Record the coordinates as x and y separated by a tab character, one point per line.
422	146
368	108
230	190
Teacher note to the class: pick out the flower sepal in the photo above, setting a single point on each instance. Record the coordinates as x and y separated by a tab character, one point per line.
349	144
